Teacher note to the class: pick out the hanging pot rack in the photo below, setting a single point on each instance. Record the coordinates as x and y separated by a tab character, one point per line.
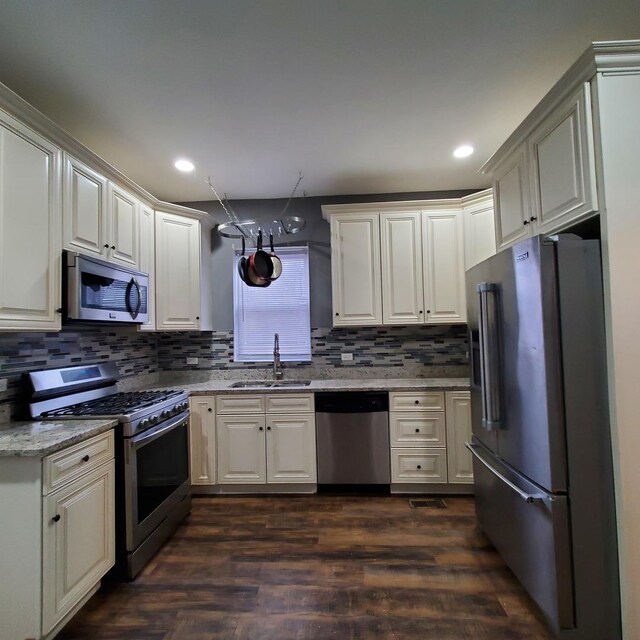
284	225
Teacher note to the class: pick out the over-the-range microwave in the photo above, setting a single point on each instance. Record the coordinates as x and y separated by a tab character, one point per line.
98	291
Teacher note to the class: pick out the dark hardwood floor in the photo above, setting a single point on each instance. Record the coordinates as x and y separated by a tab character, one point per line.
316	568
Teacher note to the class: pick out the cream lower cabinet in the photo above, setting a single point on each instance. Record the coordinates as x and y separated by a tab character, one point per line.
428	431
266	439
58	537
202	441
30	229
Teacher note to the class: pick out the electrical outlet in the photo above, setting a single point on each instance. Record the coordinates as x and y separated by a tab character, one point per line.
347	357
192	360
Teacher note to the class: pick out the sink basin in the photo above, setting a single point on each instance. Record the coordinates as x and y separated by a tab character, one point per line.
246	384
250	383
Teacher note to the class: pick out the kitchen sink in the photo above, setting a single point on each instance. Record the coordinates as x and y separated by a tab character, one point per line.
266	385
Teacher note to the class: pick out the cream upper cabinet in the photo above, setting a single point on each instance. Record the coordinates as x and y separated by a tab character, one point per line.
512	202
84	199
563	164
402	290
443	250
148	260
31	229
479	228
124	227
291	448
177	279
355	270
458	417
202	440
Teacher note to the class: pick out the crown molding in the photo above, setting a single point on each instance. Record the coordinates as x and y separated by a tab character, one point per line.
17	107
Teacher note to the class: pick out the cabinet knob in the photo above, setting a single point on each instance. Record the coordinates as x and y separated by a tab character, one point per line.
428	310
418	467
56	518
59	310
525	223
417	430
260	429
113	246
85	458
417	402
268	428
106	246
532	218
337	313
209	409
197	317
420	312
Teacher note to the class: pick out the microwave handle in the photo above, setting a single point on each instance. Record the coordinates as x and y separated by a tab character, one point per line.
134	312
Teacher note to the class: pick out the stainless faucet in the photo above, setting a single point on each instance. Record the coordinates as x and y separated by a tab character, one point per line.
278	373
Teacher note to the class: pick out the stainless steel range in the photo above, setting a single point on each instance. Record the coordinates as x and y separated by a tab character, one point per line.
152	451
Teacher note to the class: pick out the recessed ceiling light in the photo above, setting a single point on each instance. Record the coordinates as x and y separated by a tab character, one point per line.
184	165
463	151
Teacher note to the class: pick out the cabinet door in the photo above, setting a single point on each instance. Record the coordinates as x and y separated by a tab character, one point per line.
202	434
563	164
78	541
177	272
355	270
124	227
147	261
241	449
512	199
402	291
458	417
443	248
479	230
30	229
84	199
291	448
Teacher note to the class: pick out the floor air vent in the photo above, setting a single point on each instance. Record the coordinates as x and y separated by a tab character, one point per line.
429	503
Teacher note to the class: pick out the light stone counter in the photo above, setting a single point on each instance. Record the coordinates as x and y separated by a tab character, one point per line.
385	384
40	438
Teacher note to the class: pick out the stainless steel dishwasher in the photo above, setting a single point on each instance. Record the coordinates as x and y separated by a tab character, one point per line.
353	438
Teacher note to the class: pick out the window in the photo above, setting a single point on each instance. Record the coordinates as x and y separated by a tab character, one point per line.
282	308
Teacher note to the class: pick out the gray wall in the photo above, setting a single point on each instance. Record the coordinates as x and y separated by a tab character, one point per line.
316	235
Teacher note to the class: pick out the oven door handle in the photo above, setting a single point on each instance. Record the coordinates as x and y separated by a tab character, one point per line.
133	312
156	432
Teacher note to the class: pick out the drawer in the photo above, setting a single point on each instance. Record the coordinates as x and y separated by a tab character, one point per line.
240	403
419	465
417	429
416	401
290	403
70	463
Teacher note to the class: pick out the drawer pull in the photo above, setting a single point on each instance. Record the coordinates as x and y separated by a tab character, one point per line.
417	430
419	467
56	518
417	402
85	458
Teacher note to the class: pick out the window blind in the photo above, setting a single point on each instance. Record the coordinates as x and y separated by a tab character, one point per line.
282	308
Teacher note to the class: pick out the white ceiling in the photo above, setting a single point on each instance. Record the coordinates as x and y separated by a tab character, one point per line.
363	96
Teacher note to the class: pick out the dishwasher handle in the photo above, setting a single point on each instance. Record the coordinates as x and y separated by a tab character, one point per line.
352	402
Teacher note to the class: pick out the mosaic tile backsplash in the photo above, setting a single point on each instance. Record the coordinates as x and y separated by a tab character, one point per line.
373	347
378	352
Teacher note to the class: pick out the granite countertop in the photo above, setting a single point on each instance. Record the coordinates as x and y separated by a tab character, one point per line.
40	438
374	384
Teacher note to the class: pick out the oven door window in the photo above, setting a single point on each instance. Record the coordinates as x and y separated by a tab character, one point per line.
162	467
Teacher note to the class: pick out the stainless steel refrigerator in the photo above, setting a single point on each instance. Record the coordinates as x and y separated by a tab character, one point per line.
541	437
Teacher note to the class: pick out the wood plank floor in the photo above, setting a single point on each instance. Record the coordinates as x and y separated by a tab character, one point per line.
316	568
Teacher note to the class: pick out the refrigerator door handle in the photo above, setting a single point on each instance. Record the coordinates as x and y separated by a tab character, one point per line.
489	356
527	497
